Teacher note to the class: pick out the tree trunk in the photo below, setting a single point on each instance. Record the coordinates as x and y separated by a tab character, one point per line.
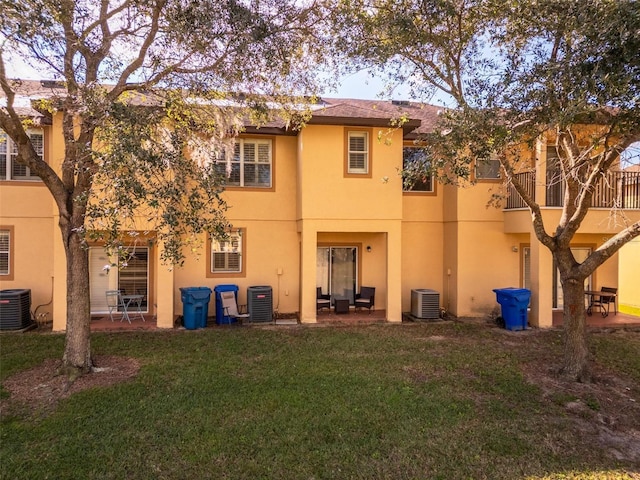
576	353
77	350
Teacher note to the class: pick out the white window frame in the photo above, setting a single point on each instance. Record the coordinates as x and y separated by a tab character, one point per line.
431	185
358	170
242	160
9	151
5	251
229	252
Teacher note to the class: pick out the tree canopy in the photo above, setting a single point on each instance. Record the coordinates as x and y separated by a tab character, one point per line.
565	70
138	83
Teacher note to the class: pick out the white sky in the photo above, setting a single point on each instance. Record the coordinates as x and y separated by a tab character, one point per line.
358	85
362	86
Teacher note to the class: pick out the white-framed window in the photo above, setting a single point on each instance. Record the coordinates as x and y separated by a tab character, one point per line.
10	169
226	255
358	155
415	162
5	252
252	164
488	168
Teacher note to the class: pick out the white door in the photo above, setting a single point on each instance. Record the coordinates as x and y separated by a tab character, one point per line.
101	279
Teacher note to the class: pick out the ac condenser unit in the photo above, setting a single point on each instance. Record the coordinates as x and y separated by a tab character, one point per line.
425	303
14	309
260	304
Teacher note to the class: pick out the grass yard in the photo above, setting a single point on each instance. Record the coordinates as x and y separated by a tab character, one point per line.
412	401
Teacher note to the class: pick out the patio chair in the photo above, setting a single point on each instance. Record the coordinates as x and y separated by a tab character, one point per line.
366	298
116	302
230	307
602	301
322	301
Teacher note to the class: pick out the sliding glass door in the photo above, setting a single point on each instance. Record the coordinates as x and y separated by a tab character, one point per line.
132	278
337	271
580	254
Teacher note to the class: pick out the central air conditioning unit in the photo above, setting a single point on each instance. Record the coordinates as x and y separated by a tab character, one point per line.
425	303
15	307
260	304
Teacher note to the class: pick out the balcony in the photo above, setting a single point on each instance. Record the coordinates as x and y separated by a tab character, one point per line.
614	190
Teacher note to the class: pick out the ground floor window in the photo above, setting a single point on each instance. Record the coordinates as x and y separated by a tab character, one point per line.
227	256
6	244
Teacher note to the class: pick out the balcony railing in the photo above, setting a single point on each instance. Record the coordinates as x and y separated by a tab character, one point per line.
528	181
614	189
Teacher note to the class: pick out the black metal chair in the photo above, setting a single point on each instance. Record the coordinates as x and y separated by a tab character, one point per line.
602	301
366	298
322	301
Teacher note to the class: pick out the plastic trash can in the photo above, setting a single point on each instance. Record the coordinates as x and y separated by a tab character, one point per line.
221	318
195	306
514	303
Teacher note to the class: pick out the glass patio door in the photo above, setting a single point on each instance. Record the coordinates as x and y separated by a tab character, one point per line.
580	254
132	278
337	271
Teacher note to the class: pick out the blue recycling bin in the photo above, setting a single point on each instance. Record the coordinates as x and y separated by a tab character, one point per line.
513	304
221	318
195	306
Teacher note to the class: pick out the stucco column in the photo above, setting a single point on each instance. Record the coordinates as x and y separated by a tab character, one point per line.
541	171
541	285
394	273
59	280
164	295
308	260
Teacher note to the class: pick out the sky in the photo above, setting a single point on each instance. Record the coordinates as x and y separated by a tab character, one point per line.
359	85
362	86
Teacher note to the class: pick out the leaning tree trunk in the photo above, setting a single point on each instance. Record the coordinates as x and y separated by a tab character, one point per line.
576	352
77	350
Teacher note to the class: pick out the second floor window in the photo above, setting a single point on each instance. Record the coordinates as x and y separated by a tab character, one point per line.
488	168
417	177
252	164
358	155
10	169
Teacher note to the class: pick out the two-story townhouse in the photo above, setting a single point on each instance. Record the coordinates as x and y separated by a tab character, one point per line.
323	207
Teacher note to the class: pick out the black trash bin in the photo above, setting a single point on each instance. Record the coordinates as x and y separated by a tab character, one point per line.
195	306
221	318
514	303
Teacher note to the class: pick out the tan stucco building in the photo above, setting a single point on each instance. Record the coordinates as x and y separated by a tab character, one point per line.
324	207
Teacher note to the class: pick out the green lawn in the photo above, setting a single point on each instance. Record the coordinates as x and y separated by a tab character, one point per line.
416	401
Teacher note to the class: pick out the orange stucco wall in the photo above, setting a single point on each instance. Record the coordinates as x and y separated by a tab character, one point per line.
449	241
26	210
270	237
629	287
